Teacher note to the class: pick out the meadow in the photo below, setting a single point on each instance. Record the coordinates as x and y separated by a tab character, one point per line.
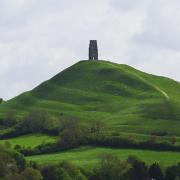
29	140
89	156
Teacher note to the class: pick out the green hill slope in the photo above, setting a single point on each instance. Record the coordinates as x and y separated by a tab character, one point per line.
128	100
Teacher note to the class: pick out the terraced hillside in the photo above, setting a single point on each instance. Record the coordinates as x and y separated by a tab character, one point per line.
126	99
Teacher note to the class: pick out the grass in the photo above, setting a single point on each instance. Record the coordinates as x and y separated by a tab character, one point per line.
29	140
89	156
127	100
131	103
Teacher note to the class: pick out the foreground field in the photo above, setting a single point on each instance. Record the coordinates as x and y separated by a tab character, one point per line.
89	156
29	140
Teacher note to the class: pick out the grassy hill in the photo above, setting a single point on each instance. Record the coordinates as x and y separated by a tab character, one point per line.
127	100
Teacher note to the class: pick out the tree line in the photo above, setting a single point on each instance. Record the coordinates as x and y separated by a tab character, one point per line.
13	166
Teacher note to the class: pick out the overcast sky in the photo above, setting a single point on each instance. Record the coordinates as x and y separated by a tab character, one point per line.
39	38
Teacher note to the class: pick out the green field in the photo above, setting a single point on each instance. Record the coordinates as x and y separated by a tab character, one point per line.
29	140
131	103
125	99
89	156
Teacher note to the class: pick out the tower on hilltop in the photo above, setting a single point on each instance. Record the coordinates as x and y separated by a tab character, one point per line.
93	50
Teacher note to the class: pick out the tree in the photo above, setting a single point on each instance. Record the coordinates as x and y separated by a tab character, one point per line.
97	127
64	175
69	167
51	172
7	145
14	176
7	164
32	174
153	138
139	170
72	170
72	134
10	118
110	168
177	178
1	100
20	160
80	176
173	140
156	172
36	121
173	172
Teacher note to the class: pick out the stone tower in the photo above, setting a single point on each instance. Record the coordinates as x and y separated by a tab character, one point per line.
93	50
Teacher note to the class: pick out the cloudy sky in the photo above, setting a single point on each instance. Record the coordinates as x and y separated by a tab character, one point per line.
39	38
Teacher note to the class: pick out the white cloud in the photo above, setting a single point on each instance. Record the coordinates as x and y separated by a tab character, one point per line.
162	25
128	5
155	48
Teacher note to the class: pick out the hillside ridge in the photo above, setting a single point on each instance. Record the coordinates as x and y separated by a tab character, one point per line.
156	87
101	90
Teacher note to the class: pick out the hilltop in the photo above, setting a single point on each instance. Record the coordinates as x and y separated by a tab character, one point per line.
126	99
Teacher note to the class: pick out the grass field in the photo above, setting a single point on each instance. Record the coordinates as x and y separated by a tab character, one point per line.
125	99
30	140
89	156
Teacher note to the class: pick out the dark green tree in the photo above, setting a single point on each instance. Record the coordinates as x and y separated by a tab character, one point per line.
97	127
80	176
32	174
20	160
14	176
64	175
139	170
10	118
69	167
173	172
72	134
36	121
51	172
156	172
111	167
7	164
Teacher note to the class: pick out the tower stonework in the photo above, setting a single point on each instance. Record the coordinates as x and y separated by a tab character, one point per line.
93	50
